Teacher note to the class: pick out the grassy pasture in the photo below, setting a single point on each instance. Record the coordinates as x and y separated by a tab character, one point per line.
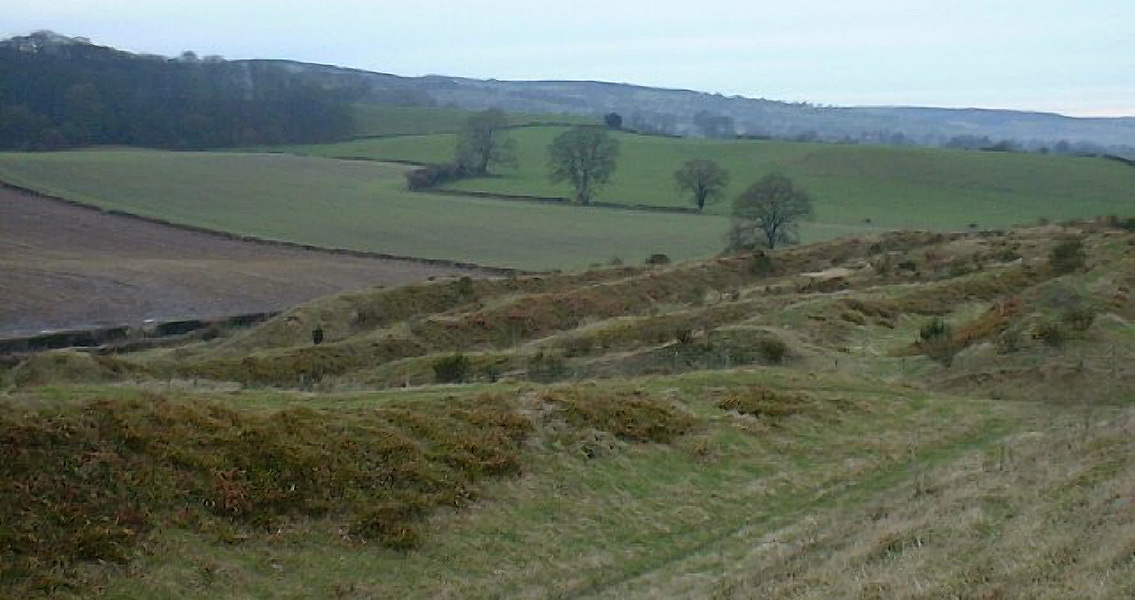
893	187
356	205
377	120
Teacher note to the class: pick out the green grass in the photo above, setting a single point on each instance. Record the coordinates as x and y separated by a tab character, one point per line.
356	205
377	120
617	508
894	187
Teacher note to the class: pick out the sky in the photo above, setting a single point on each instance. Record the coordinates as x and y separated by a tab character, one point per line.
1073	57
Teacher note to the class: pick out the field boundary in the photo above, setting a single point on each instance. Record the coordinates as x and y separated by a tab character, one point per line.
441	262
104	339
552	200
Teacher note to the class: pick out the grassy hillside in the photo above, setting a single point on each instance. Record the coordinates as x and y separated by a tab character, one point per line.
378	120
893	187
729	429
357	205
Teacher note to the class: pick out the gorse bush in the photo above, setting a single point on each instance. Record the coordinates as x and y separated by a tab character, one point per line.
1051	333
1079	318
761	264
88	481
451	369
1009	342
772	349
936	340
1068	256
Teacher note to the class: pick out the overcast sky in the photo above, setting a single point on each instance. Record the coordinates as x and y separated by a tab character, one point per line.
1068	56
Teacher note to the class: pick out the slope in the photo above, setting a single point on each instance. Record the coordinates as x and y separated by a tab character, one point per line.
745	426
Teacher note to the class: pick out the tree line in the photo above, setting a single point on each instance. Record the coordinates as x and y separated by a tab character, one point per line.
767	214
61	96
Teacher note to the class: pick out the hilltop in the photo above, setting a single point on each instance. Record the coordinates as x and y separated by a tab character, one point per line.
945	414
328	89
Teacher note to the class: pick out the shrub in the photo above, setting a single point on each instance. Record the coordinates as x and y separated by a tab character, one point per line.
772	349
1051	333
1080	318
1068	256
936	340
1007	255
684	336
615	261
658	259
434	175
1009	342
451	369
464	290
761	264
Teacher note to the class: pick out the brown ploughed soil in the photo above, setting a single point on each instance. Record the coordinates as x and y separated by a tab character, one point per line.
64	267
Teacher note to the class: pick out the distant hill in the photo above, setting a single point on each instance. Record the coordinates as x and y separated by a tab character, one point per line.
687	112
306	102
57	91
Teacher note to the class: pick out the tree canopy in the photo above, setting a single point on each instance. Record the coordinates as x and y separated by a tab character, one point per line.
769	213
55	96
485	142
585	157
704	180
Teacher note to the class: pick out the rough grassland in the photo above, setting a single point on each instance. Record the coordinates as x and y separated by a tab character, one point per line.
733	428
356	205
894	187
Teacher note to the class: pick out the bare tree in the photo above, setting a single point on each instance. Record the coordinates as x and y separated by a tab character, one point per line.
484	142
585	157
769	213
704	179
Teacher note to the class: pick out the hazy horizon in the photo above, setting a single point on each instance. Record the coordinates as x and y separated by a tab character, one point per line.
1043	56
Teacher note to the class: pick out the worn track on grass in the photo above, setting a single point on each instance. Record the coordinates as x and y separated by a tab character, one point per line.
65	266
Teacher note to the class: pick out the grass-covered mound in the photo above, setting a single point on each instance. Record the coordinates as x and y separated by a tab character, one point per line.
88	481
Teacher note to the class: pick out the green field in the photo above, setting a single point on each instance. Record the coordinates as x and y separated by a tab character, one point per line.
893	187
357	205
373	120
